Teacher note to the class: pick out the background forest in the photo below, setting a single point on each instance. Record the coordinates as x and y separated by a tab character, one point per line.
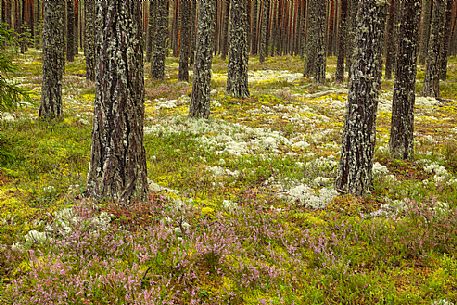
228	152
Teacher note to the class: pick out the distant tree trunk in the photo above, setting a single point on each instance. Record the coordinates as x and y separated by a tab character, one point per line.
432	74
53	59
342	30
70	31
118	160
390	39
183	73
402	127
316	53
445	42
200	106
193	30
264	31
160	40
89	44
225	33
237	80
151	29
175	28
254	39
359	136
425	30
8	12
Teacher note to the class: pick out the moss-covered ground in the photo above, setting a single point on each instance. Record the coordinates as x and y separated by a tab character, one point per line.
242	208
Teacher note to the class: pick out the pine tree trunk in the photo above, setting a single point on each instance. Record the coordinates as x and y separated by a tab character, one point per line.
264	31
70	31
53	59
350	37
118	160
225	32
89	44
151	29
425	30
390	39
183	73
359	136
402	127
200	100
237	80
342	29
316	53
433	68
160	40
445	42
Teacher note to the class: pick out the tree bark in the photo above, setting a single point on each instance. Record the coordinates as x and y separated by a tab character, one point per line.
70	31
225	32
390	39
359	136
200	100
151	29
183	73
402	126
264	31
433	68
350	37
342	29
316	53
118	160
237	80
89	43
425	30
53	59
160	40
445	42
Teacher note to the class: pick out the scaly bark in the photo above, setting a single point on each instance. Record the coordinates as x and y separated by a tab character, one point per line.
315	46
183	69
433	67
237	80
402	126
118	160
53	59
359	136
200	100
160	40
89	36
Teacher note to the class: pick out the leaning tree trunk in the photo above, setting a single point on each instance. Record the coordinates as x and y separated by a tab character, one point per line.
402	126
356	164
199	105
433	67
315	51
342	30
183	69
160	40
118	160
89	36
263	52
237	80
53	59
70	31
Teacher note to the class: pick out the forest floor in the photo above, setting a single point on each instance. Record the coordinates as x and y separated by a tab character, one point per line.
242	208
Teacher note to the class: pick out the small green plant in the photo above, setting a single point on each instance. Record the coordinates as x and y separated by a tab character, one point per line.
10	92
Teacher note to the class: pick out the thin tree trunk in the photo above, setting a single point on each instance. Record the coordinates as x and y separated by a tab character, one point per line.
402	126
53	59
200	106
225	32
425	30
89	44
339	76
264	31
118	160
359	136
70	31
445	43
183	73
390	39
